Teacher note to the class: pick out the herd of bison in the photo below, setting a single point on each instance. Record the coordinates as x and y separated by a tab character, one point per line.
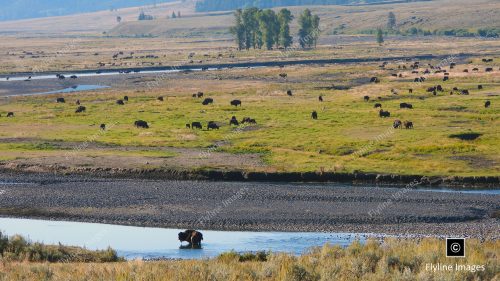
314	115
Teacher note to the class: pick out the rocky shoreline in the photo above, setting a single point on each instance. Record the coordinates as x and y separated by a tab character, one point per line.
479	182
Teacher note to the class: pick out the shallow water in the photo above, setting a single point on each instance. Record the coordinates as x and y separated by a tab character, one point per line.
143	242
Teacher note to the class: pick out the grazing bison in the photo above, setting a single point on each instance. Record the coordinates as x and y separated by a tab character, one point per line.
489	69
234	121
120	102
248	120
188	126
314	115
125	98
446	78
80	109
406	105
141	124
410	91
320	98
194	95
160	98
73	77
103	127
289	93
487	104
479	87
408	125
77	102
62	77
374	80
439	88
60	100
378	105
366	98
236	102
465	92
199	94
10	114
283	75
397	124
475	69
193	237
384	114
212	125
466	70
207	101
196	125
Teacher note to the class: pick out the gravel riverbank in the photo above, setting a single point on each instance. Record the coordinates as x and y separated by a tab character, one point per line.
250	206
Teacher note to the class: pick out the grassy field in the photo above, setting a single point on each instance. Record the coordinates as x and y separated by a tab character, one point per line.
391	260
349	135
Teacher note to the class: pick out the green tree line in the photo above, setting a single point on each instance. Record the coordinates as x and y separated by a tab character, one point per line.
256	28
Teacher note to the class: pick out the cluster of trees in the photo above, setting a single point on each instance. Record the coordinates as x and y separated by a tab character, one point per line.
174	15
144	16
227	5
256	28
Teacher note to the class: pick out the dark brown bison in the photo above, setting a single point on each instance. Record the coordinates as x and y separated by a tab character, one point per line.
193	237
378	105
60	100
320	98
446	78
141	124
188	126
120	102
487	104
125	98
103	127
289	93
283	75
194	95
248	120
439	88
410	91
10	114
397	124
466	70
234	121
384	114
465	92
199	94
77	102
212	125
207	101
479	87
73	77
80	109
475	69
405	105
236	102
408	125
196	125
366	98
374	80
489	69
314	115
160	98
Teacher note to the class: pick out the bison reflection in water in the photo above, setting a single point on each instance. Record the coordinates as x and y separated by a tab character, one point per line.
193	237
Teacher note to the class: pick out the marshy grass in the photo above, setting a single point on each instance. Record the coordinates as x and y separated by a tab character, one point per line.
391	259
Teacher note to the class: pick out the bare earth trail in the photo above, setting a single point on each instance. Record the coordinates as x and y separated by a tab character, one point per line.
250	206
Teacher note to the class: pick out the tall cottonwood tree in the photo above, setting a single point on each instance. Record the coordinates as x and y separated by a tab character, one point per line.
308	29
284	18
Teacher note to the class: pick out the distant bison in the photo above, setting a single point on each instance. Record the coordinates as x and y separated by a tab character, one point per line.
160	98
10	114
410	91
125	98
199	94
212	125
487	104
406	105
60	100
479	87
489	69
397	124
77	102
80	109
248	120
366	98
384	114
103	127
408	125
196	125
374	80
289	93
207	101
120	102
236	102
193	237
466	70
465	92
73	77
378	105
314	115
234	121
320	98
283	75
141	124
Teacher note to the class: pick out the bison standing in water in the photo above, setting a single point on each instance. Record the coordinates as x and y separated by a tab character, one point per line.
193	237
